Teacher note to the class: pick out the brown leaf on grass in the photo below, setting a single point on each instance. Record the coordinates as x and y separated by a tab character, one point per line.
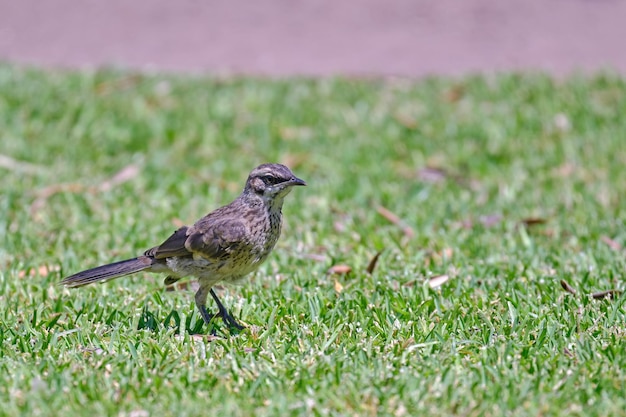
201	337
407	342
606	294
19	166
410	284
438	280
338	287
45	193
42	196
432	174
405	120
393	218
611	243
436	174
454	94
533	221
340	269
125	174
565	285
317	257
373	262
339	226
490	220
388	214
42	271
434	281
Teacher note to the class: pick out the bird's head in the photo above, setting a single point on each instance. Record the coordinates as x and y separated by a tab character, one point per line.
272	181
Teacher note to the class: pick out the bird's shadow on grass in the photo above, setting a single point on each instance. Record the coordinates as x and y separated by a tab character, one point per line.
149	321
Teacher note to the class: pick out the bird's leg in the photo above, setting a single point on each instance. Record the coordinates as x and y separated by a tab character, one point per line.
224	314
201	296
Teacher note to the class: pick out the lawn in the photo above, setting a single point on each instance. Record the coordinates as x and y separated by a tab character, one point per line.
493	206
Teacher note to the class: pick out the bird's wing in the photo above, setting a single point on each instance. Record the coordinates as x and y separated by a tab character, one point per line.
217	239
173	246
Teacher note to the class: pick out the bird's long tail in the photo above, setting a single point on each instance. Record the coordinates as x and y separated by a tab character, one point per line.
110	271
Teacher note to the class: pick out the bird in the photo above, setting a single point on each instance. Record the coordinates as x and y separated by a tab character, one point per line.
222	247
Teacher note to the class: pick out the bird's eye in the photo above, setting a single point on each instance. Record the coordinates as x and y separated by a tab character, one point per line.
270	179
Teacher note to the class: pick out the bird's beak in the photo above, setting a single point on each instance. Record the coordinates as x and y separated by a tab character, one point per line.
296	181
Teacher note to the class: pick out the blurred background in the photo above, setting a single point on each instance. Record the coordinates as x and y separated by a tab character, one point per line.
320	37
444	259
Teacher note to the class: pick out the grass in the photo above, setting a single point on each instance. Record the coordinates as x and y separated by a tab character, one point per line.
506	184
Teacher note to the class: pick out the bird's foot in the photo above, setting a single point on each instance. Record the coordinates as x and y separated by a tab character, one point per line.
227	318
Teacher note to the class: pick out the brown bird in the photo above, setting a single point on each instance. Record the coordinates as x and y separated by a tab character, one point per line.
223	246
